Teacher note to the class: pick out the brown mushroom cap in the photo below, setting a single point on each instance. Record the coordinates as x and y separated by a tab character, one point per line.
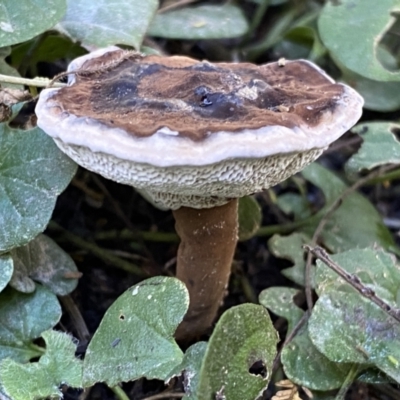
193	133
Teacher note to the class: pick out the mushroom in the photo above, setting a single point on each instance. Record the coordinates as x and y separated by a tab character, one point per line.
194	137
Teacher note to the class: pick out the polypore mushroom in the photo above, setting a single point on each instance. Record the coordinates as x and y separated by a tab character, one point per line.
195	137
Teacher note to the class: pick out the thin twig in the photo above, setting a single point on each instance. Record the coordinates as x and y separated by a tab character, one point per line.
99	252
38	82
115	204
76	317
104	67
270	230
119	392
256	20
330	210
120	213
126	234
350	378
354	281
175	5
165	395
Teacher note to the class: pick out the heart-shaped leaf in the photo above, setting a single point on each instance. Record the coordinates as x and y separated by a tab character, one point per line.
23	318
42	260
345	326
352	33
23	19
238	361
348	328
376	268
343	231
201	22
280	301
108	22
291	248
190	368
135	338
306	366
57	366
380	146
33	172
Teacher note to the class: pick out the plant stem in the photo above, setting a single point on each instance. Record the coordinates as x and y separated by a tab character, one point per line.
127	234
389	176
119	392
165	395
37	348
257	18
351	376
76	317
283	228
37	82
177	4
99	252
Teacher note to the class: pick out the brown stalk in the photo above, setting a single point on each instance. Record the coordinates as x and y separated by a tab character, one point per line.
208	242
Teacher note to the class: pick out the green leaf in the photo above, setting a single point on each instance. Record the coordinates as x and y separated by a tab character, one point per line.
291	248
243	337
6	69
347	327
280	301
341	232
356	223
42	260
201	22
301	42
6	270
50	49
108	22
249	217
374	376
33	172
376	268
278	27
295	204
58	366
23	19
378	96
9	108
306	366
23	318
190	367
135	337
352	33
380	146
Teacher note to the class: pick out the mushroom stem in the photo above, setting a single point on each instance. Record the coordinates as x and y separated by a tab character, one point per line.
208	242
